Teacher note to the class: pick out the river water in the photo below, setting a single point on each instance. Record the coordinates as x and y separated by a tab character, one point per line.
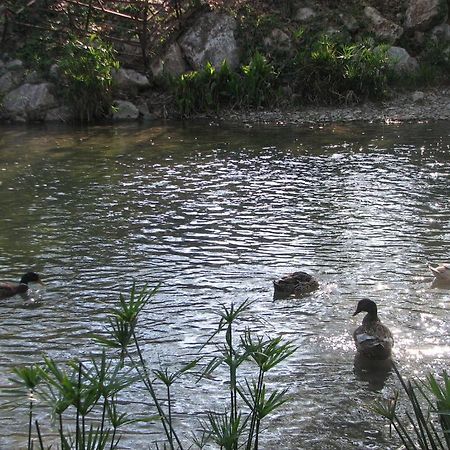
216	213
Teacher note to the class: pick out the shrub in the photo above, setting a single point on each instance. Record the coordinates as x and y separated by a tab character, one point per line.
329	72
87	72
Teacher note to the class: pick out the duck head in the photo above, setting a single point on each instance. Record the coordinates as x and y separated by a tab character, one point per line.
30	277
367	306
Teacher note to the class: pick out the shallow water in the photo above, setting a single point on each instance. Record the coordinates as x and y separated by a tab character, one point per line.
215	213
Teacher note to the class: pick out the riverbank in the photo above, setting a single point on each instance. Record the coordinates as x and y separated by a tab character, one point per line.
431	104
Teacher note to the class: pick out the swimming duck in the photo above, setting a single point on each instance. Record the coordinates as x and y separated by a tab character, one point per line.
441	272
373	340
297	283
9	289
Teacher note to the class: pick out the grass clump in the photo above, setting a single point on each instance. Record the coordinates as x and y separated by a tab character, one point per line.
86	397
87	78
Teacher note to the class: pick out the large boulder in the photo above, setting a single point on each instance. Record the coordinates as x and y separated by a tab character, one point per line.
211	39
383	28
172	63
425	14
6	82
30	101
124	110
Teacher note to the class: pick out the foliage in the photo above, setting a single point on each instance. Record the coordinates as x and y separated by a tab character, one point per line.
329	71
88	394
425	426
87	70
210	89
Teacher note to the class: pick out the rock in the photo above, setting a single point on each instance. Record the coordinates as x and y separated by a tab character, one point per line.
211	39
278	40
6	83
441	33
172	63
59	114
349	22
29	100
15	64
401	60
304	14
383	28
54	72
33	77
125	110
425	14
129	80
417	96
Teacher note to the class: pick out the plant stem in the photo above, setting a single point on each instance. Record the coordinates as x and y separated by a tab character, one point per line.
61	435
41	443
77	432
255	411
30	422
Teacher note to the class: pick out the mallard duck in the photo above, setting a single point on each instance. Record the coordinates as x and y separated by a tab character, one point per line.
373	340
441	272
9	289
297	283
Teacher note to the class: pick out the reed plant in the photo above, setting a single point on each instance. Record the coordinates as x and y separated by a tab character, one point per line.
425	422
85	396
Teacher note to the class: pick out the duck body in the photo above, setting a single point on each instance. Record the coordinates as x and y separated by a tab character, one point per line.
8	289
295	284
442	272
373	340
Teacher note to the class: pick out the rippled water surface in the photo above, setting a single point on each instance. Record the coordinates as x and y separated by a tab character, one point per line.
215	213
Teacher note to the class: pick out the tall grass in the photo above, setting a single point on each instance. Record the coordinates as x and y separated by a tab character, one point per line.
85	397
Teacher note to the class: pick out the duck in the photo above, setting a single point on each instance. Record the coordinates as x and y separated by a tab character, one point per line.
373	340
295	284
8	289
441	273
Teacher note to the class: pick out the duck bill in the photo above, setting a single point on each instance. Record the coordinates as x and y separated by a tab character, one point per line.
356	312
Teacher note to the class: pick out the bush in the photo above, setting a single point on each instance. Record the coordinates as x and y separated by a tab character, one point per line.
87	73
329	72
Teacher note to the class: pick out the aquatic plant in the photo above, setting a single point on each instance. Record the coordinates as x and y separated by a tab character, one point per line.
425	423
88	394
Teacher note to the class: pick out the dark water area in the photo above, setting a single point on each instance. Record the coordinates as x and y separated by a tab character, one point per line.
216	213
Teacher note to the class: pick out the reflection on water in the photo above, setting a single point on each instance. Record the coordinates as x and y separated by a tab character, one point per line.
216	214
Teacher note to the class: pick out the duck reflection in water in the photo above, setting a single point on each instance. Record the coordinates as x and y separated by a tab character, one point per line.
374	342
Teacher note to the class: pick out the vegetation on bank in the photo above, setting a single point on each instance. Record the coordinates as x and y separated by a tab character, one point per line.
317	68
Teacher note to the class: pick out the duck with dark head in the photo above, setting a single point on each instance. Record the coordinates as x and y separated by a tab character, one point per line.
373	340
8	289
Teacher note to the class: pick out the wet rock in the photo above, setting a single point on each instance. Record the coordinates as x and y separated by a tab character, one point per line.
125	110
425	14
383	28
211	39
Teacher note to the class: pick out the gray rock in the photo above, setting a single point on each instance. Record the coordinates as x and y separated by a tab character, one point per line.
172	63
401	60
212	39
425	14
304	14
278	40
124	110
349	22
29	100
383	28
417	96
6	83
129	80
33	77
59	114
54	72
15	64
441	32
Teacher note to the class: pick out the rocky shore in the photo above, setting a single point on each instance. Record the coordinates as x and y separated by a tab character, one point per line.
433	104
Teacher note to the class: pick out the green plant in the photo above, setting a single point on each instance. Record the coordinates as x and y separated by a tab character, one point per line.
418	427
329	71
88	394
87	71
